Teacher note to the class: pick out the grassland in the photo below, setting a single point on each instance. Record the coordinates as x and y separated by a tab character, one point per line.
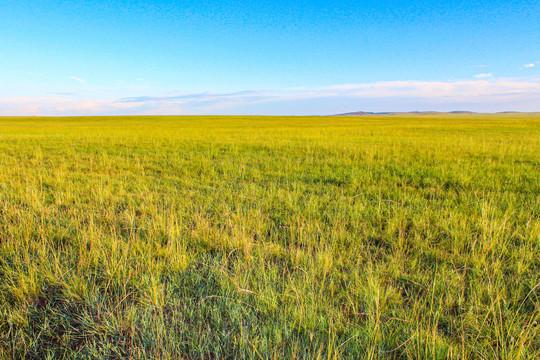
270	237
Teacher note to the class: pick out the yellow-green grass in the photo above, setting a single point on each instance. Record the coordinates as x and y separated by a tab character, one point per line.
270	237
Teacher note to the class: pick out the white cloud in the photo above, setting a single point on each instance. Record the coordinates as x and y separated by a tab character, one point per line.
483	76
475	95
34	74
528	65
50	106
78	79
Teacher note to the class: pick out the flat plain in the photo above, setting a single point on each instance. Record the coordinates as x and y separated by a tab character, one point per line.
377	237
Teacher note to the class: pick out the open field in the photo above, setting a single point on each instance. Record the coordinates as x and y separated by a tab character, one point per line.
270	237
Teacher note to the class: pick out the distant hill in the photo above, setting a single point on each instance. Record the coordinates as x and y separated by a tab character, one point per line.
368	113
357	113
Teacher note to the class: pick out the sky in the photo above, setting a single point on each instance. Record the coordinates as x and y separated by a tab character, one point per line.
113	57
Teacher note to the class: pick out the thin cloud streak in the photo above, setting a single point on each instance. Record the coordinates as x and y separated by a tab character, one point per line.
483	76
78	79
475	95
195	96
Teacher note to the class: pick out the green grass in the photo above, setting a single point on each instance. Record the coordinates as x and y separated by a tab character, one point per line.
270	237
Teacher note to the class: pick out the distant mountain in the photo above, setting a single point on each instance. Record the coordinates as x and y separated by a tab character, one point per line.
357	113
367	113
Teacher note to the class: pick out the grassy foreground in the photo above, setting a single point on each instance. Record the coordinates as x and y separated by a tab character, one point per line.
270	237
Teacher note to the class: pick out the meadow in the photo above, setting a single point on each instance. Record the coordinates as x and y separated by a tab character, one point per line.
378	237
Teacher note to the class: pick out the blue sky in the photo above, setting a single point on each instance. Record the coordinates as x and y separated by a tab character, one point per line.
267	57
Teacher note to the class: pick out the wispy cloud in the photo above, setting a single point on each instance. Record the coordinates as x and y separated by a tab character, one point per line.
476	95
203	96
387	89
78	79
62	93
531	65
34	74
483	76
30	106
